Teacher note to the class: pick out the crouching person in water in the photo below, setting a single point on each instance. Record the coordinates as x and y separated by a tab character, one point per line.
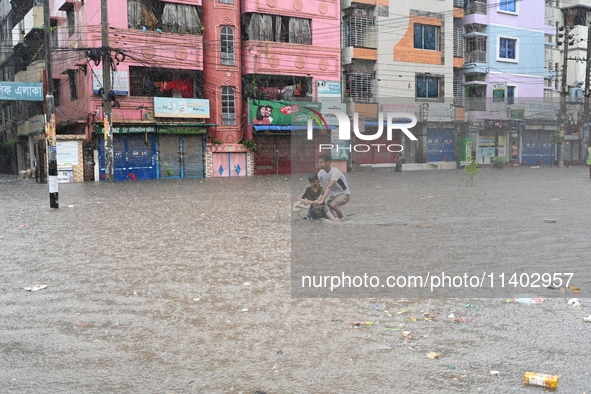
311	194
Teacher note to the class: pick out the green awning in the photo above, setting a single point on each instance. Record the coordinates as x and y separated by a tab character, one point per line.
181	130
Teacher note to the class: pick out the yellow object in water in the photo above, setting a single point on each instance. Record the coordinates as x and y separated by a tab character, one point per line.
538	379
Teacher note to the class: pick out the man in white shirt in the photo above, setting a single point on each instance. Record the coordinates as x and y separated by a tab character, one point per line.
337	189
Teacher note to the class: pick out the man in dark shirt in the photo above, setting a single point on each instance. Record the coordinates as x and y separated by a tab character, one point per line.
311	194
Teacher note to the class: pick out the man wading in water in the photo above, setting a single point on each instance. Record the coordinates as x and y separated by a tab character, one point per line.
337	189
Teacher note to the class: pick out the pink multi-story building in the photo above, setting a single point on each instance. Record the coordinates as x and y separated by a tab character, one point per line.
182	72
290	52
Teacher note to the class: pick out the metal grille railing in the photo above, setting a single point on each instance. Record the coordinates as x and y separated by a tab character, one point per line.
360	31
360	86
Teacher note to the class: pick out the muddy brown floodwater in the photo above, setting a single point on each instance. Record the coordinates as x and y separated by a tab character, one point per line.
184	286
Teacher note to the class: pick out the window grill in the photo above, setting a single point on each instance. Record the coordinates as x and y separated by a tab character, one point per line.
458	38
458	87
475	49
361	86
360	31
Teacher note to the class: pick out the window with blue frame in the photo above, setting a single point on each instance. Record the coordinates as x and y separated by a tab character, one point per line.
508	5
510	95
427	87
507	48
426	37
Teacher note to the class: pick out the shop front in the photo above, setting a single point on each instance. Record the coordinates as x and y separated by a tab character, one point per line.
537	147
134	152
181	151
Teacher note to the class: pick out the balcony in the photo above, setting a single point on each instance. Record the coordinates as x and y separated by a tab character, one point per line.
476	57
476	7
360	31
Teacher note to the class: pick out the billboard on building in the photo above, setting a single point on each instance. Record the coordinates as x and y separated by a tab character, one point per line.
263	112
119	82
170	107
328	89
437	112
540	110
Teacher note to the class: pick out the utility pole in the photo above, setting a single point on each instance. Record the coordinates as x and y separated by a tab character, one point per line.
563	116
586	116
108	131
50	113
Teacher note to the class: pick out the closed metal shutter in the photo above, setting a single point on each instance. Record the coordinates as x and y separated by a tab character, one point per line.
169	156
193	161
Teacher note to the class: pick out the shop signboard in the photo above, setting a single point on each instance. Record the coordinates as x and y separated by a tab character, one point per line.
170	107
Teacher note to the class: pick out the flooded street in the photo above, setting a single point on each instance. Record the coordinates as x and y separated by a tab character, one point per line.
185	286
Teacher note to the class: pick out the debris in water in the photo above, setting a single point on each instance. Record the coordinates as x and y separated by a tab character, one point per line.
537	379
432	355
35	288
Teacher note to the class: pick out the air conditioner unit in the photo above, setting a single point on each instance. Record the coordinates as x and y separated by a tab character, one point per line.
360	11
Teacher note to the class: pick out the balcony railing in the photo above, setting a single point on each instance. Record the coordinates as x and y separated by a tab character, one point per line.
476	57
458	43
476	7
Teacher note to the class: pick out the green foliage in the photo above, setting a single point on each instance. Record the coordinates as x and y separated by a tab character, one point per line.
215	141
250	145
557	138
168	171
9	145
499	162
471	169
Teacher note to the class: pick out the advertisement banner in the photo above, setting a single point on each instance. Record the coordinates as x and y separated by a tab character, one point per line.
328	88
540	111
263	112
499	94
119	82
181	107
438	112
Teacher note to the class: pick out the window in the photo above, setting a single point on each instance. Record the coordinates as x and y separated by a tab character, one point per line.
165	82
458	87
475	97
71	22
53	34
227	45
360	86
511	95
475	49
360	31
508	5
73	80
426	37
507	48
458	38
227	1
228	106
168	17
56	92
264	27
428	87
